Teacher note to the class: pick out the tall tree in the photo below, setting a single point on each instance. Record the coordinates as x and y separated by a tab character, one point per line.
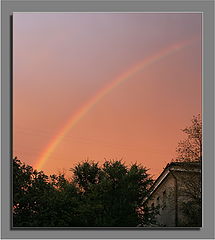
31	194
40	201
113	193
191	191
190	149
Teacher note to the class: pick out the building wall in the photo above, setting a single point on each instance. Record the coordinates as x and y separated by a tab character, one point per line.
164	196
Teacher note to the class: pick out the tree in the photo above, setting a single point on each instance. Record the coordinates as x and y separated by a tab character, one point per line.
40	201
190	149
106	196
85	174
191	191
112	194
30	193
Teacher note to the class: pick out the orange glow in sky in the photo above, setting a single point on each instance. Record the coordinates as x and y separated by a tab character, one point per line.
103	86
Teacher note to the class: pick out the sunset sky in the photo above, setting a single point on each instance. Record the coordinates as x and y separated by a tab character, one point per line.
103	85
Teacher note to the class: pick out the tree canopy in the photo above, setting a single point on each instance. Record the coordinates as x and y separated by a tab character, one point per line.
110	195
190	149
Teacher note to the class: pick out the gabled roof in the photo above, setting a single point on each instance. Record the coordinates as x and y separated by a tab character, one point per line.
173	166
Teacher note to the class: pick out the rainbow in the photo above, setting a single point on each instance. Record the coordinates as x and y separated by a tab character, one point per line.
80	113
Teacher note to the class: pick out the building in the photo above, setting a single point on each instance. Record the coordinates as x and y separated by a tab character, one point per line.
176	194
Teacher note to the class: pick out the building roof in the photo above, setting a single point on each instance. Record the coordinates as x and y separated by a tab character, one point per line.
177	167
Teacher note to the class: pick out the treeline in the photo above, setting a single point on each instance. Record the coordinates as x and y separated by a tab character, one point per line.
110	195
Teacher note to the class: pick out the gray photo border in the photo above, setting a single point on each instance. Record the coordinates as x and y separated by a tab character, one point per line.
207	8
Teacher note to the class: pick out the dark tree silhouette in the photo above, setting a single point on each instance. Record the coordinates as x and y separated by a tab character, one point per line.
42	202
190	149
112	194
106	196
191	191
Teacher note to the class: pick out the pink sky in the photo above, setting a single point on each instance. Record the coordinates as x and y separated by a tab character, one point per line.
61	60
